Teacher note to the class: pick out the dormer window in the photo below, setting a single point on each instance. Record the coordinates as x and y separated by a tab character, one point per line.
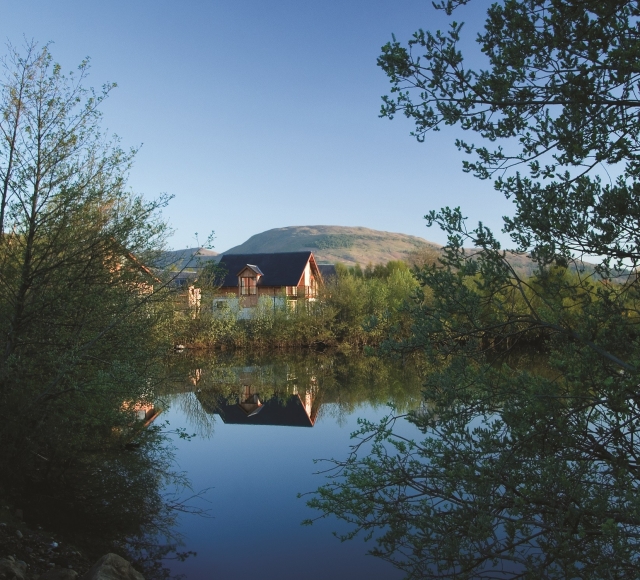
248	279
247	286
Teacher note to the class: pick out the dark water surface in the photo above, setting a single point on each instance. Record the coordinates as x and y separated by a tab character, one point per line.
260	423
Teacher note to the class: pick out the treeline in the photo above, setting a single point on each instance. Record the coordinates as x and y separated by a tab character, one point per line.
386	304
356	308
500	312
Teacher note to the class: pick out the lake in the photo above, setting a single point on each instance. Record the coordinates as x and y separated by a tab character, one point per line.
260	422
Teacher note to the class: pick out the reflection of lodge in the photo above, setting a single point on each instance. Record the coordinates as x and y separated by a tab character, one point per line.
146	413
291	409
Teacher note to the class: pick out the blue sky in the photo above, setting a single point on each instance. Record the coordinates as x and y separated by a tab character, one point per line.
257	114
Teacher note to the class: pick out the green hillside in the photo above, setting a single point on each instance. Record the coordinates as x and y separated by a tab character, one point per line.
348	245
333	244
357	245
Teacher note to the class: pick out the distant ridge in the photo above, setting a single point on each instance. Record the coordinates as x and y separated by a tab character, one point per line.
358	245
331	244
189	258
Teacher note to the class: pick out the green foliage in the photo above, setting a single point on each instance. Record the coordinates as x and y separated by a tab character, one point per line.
333	241
211	276
521	471
366	308
80	344
520	468
558	97
351	311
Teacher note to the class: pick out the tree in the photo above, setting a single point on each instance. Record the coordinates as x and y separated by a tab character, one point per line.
526	468
79	312
559	97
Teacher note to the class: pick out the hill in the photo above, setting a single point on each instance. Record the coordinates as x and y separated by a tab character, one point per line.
358	245
188	258
331	244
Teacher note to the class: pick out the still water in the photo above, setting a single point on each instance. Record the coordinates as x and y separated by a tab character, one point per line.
260	422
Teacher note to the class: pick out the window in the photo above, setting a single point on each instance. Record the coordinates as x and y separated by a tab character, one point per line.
292	290
247	286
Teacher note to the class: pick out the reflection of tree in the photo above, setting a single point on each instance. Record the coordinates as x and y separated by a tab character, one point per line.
337	412
531	478
201	422
122	500
329	385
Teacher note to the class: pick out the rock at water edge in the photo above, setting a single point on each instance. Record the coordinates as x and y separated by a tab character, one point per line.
59	574
112	567
10	570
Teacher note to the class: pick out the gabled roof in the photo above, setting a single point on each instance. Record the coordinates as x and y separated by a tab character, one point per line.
281	269
183	278
253	268
327	271
289	412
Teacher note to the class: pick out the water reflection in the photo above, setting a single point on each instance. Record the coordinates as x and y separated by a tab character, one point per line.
290	389
245	401
219	396
124	499
286	412
520	477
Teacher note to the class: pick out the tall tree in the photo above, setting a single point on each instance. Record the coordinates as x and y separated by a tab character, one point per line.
78	310
521	473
